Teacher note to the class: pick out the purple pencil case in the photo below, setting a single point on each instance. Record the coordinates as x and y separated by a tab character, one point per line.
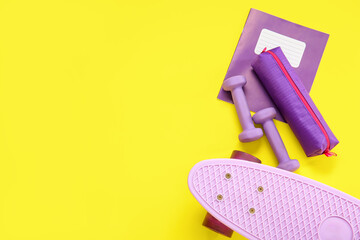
294	103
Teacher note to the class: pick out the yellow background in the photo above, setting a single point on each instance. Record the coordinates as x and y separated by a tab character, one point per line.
106	105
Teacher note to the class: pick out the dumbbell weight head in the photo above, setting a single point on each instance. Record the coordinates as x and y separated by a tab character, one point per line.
234	82
264	115
290	165
250	135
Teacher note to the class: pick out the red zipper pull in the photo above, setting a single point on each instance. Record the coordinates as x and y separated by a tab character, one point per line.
264	50
329	154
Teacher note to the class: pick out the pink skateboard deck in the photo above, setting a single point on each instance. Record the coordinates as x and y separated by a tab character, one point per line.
263	202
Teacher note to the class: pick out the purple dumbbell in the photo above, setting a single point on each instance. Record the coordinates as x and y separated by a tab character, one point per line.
235	85
265	117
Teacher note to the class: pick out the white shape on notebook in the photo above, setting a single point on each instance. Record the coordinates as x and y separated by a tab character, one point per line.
292	48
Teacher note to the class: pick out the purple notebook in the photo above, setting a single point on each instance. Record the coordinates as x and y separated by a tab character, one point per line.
302	46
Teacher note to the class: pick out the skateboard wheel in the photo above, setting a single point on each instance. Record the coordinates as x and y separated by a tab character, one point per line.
244	156
217	226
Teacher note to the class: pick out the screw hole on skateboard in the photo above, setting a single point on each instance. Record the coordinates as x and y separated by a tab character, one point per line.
260	189
219	197
252	210
228	176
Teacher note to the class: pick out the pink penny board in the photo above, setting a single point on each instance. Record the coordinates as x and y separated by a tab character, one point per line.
263	202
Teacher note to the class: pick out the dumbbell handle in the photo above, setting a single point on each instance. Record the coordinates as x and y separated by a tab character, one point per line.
242	108
275	141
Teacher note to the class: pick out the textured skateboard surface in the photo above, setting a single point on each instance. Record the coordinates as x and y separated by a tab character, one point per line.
286	206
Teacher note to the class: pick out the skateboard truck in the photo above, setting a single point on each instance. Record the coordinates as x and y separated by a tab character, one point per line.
210	221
